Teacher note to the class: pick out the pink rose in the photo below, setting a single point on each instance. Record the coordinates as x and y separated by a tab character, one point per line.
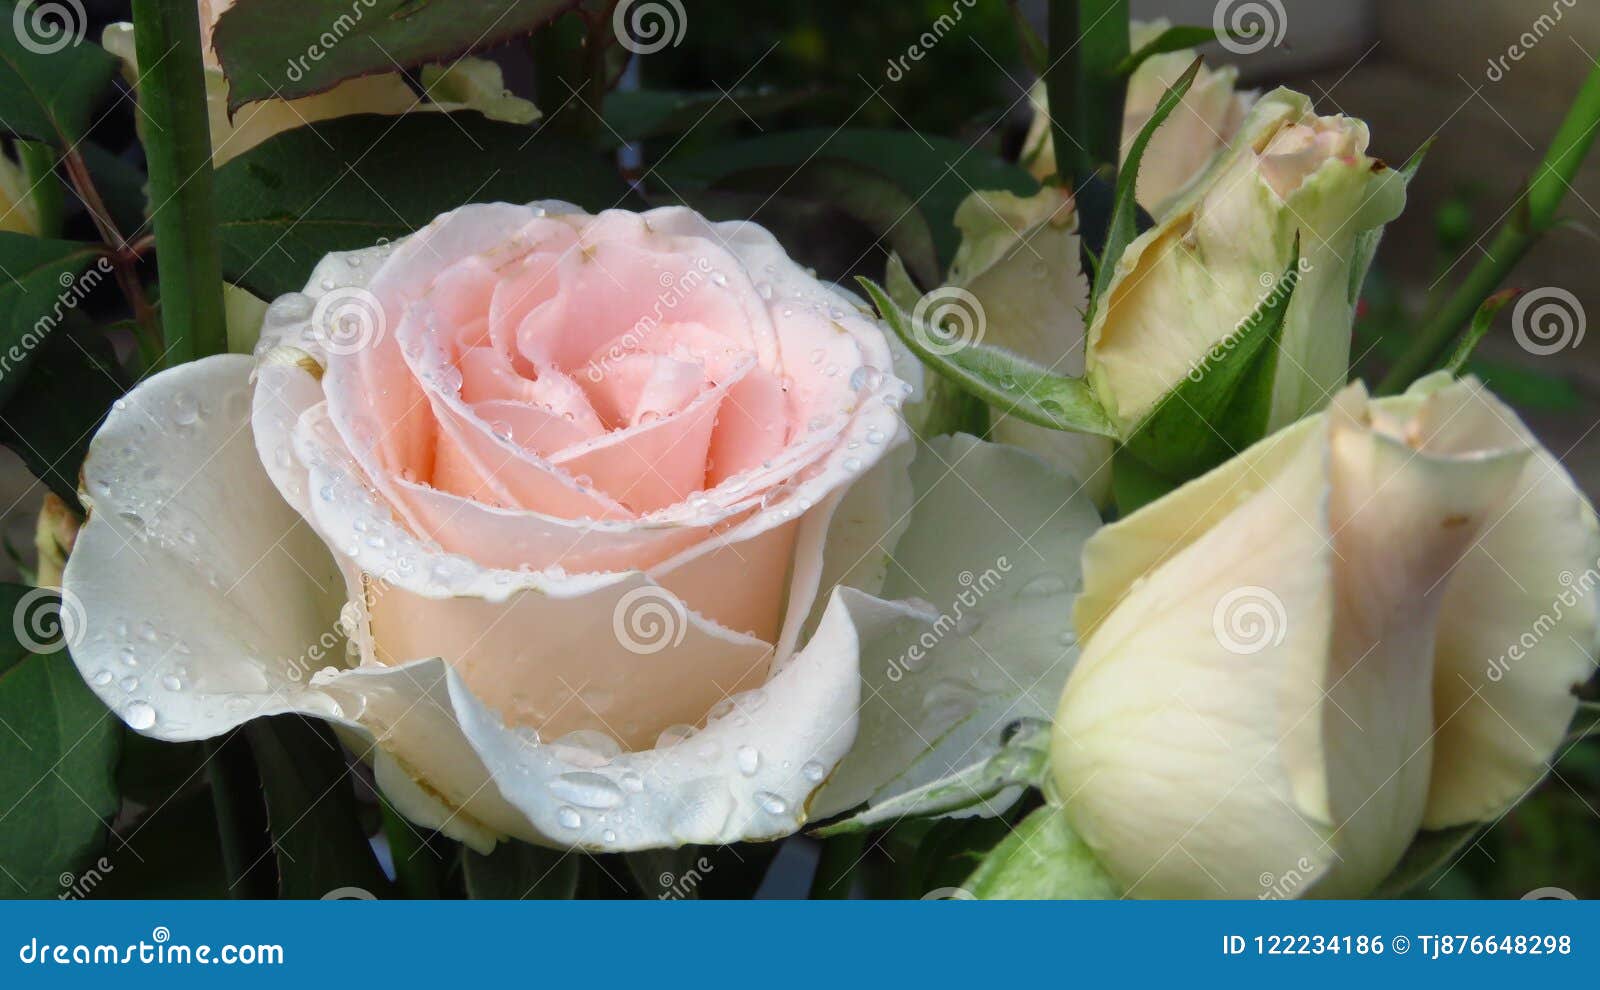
565	483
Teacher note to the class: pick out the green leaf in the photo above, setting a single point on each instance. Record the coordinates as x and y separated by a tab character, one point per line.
356	181
1585	723
49	92
1124	225
517	871
646	113
311	809
1022	760
267	55
58	778
1429	854
179	854
1176	39
1042	859
1010	383
50	418
1481	322
40	286
121	185
1222	406
865	195
938	173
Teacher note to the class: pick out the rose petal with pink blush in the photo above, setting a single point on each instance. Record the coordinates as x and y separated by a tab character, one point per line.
639	384
754	604
654	464
513	539
532	427
752	427
528	285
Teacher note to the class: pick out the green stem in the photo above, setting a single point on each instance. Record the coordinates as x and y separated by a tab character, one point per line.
241	816
39	171
178	150
1062	78
836	866
418	868
1104	25
1532	218
1084	84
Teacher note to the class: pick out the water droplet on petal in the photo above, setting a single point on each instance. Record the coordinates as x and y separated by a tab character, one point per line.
139	716
771	803
587	790
748	759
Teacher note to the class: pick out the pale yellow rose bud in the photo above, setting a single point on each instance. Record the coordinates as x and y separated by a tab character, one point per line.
1367	624
1202	125
1185	288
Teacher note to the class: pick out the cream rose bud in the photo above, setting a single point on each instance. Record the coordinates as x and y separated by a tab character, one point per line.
1185	288
1293	663
1210	115
466	84
544	509
1018	283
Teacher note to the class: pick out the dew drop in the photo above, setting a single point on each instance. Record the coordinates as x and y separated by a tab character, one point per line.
139	716
813	771
185	410
771	803
101	679
569	817
674	734
587	790
748	759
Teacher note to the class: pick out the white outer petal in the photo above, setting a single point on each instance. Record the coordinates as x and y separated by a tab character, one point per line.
191	566
981	635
